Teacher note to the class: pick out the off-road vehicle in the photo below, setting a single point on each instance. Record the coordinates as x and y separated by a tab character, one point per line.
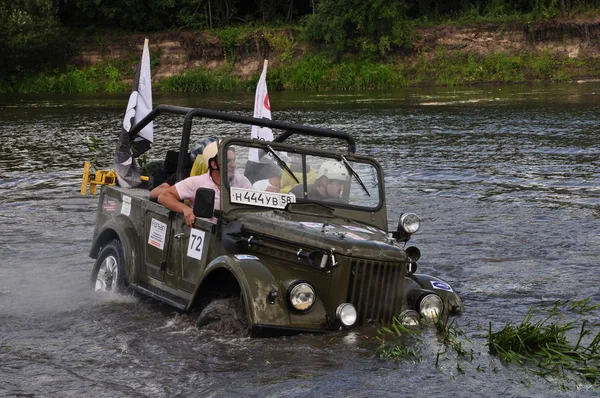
290	262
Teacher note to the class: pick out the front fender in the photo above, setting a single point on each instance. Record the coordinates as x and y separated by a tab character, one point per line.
451	299
256	281
121	228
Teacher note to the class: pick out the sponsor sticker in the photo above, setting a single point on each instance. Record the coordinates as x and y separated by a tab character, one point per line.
261	198
109	206
312	224
375	230
246	257
158	231
441	286
357	229
353	236
196	244
126	206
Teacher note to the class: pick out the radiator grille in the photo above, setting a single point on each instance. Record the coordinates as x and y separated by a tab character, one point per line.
375	290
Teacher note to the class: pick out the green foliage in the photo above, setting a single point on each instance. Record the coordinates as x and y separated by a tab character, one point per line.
375	26
321	72
151	15
398	341
32	38
102	77
453	68
201	80
546	345
569	350
230	40
72	81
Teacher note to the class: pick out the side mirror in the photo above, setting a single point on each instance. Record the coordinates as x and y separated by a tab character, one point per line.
204	203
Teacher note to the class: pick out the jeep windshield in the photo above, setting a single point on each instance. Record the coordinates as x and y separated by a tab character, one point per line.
285	175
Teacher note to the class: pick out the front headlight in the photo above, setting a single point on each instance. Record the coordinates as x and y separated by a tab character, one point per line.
409	318
302	296
410	222
346	314
431	307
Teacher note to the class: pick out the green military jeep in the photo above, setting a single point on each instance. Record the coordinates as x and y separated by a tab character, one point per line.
282	261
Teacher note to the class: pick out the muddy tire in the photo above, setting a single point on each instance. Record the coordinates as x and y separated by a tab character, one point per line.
226	316
108	274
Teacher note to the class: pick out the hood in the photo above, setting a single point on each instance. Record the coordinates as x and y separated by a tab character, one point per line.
345	237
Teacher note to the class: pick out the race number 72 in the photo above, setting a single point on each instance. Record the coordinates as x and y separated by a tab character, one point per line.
196	244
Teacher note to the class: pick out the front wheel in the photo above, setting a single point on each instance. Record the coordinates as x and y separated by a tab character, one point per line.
108	274
227	316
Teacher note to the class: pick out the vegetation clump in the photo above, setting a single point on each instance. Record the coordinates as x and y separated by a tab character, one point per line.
546	344
549	345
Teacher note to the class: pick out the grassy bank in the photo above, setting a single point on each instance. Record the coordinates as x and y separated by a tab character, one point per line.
322	72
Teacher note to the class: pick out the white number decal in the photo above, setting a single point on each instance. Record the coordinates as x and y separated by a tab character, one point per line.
196	245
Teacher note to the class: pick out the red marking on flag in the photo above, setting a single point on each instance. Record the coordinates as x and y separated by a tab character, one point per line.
267	103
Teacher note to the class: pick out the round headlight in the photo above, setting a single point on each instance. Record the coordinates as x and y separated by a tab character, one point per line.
302	296
409	318
410	222
346	314
431	307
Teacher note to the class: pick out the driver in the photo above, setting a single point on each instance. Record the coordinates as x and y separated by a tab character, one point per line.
186	189
331	177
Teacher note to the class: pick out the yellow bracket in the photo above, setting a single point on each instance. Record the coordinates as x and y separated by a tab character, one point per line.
100	177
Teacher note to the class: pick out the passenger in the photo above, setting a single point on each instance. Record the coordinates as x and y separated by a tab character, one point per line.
288	182
273	181
186	190
331	178
199	167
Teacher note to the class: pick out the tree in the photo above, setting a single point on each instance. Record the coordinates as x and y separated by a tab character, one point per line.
374	26
32	38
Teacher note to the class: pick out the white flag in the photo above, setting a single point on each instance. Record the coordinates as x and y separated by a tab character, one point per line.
262	110
140	104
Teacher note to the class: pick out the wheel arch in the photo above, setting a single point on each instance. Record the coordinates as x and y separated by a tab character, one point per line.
452	300
121	229
250	278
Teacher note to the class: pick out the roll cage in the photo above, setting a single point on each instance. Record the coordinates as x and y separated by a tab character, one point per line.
190	113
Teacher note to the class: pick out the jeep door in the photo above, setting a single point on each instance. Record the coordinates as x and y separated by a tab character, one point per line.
157	239
188	253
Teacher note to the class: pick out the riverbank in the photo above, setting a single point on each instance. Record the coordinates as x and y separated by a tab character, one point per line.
557	50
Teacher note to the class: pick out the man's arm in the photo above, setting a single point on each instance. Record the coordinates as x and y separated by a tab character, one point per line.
155	193
171	200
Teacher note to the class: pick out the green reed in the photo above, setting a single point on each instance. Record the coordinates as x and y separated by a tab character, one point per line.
546	345
398	341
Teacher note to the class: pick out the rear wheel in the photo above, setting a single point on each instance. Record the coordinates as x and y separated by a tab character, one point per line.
108	274
227	316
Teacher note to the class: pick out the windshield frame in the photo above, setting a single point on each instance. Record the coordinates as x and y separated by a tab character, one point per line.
304	152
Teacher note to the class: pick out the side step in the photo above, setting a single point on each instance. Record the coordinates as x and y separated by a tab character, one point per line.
165	297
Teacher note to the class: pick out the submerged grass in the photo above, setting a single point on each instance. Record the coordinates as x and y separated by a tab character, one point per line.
570	350
546	345
394	340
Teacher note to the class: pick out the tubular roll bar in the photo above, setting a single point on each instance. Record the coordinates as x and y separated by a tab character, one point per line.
190	113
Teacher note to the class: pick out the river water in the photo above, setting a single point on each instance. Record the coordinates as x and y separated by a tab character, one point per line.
506	180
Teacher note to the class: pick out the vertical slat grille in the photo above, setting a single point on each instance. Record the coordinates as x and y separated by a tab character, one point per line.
375	289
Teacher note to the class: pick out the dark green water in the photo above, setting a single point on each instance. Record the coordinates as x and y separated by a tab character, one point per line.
506	180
